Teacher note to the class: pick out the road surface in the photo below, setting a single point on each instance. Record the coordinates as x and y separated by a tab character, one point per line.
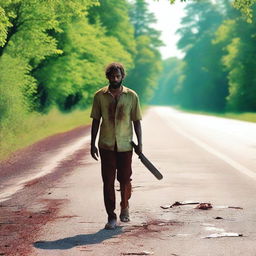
57	200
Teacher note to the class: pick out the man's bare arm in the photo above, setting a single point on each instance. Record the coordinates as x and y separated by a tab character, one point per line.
138	132
94	132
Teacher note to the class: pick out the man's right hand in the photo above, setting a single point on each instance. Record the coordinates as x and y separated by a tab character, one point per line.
94	152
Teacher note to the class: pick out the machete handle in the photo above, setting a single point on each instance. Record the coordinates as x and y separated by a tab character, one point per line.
135	148
134	145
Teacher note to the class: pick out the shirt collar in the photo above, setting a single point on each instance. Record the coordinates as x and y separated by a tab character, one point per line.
106	89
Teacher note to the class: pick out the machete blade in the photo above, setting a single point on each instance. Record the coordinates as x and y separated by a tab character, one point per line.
147	163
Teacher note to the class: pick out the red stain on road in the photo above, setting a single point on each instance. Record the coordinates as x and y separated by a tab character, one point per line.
19	227
30	156
152	226
19	222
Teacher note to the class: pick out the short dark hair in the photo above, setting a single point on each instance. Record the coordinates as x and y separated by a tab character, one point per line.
113	67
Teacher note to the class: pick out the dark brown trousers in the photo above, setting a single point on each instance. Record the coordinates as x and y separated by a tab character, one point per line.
113	162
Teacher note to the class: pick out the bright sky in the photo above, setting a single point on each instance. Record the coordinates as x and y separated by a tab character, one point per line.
169	17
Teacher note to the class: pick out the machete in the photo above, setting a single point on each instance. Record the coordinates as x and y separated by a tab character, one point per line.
147	163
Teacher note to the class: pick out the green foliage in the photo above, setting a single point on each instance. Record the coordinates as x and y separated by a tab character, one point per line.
147	61
170	82
28	38
13	105
27	30
142	20
72	78
238	38
11	97
246	8
114	17
4	25
204	84
143	77
219	63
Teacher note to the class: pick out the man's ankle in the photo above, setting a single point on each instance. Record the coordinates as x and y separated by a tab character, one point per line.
111	224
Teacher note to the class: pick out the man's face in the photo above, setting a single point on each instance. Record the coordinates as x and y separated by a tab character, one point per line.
115	79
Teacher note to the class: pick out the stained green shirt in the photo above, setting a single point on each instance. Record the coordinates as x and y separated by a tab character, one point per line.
117	116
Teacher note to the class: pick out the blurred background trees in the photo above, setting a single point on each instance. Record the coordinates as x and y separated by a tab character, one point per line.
147	59
53	54
217	71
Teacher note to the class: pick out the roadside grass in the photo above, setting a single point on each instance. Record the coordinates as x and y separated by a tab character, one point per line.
35	127
245	116
249	117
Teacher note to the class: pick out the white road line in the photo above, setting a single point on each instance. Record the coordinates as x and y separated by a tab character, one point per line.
52	163
239	167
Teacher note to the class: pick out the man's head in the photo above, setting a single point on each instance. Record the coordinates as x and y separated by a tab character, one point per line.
115	74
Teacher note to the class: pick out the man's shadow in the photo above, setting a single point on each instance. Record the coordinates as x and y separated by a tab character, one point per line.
84	239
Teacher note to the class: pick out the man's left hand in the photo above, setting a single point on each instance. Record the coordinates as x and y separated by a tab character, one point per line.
138	149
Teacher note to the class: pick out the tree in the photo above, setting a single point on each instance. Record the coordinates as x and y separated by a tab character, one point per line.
168	90
71	79
114	17
147	61
143	20
204	85
27	38
238	39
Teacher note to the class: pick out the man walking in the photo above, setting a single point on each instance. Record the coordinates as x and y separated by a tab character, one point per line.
117	107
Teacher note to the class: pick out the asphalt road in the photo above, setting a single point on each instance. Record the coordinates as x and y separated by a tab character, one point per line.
202	158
